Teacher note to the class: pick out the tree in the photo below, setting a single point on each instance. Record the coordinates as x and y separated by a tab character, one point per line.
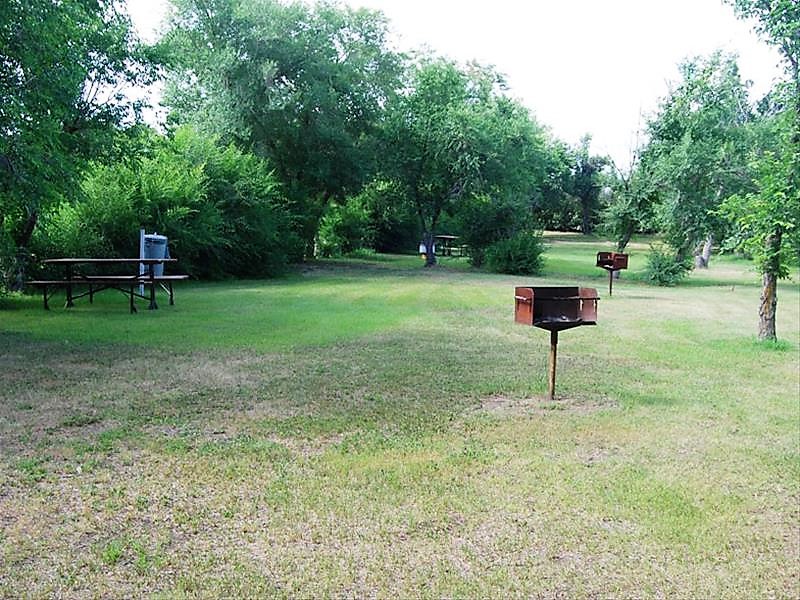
301	86
585	183
63	70
453	136
698	153
778	21
630	209
767	224
767	217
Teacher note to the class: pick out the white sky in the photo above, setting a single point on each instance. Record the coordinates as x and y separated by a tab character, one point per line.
581	66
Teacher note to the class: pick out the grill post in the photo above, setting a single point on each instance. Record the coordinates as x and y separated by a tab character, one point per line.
551	380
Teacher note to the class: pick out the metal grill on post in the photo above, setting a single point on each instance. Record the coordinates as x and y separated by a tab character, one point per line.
555	309
612	262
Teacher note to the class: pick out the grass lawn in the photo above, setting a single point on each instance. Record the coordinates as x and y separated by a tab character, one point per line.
372	428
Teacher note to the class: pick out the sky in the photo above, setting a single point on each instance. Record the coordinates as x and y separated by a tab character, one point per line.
595	67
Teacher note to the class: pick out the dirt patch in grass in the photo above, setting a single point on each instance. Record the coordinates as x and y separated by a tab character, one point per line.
511	406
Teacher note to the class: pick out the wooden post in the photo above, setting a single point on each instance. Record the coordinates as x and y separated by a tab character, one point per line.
551	380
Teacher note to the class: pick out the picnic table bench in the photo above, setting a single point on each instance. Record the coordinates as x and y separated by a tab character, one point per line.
130	284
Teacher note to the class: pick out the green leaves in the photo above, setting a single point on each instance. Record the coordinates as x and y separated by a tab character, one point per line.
220	208
767	220
451	138
302	86
63	69
698	149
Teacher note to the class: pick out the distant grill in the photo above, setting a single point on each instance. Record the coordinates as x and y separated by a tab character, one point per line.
612	262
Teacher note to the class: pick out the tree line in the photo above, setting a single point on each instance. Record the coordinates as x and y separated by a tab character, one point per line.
295	130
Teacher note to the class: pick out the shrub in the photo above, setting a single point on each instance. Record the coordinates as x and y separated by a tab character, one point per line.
257	232
221	209
664	269
521	254
484	220
344	228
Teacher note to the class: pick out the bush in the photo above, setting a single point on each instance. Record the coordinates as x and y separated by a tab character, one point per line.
664	269
521	254
344	228
394	226
220	208
256	230
484	220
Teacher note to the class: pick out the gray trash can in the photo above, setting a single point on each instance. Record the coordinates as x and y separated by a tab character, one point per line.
155	246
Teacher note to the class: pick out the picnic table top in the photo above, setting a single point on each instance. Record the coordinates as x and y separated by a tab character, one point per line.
108	261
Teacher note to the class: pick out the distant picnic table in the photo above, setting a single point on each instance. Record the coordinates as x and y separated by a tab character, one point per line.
446	246
132	283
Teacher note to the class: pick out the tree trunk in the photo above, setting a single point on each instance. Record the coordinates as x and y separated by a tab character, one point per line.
22	258
430	256
767	306
769	289
586	222
703	252
622	243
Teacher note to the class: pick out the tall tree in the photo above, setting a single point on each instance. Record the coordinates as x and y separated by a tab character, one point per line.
768	218
698	150
585	183
633	194
453	135
303	86
64	67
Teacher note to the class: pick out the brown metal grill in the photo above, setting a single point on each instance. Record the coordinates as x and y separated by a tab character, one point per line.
555	309
612	262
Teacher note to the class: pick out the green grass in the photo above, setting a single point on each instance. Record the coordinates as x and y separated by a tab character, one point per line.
367	427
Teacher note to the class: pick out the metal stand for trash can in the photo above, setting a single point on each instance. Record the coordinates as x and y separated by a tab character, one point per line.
555	309
152	245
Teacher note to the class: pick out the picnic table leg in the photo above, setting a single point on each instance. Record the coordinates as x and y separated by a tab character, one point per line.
91	294
44	297
133	306
69	287
153	304
171	295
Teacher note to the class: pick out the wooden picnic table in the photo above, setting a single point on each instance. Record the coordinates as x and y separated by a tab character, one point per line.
127	283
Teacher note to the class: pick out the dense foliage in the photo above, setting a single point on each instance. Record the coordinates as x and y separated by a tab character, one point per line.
220	208
303	86
64	67
455	143
697	151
